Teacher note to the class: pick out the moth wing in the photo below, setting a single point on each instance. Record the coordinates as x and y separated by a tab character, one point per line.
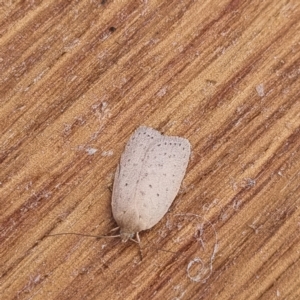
163	170
128	173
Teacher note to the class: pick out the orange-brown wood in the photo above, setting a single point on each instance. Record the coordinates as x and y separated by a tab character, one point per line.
78	77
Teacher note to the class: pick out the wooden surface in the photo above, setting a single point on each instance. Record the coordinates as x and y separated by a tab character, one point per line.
76	79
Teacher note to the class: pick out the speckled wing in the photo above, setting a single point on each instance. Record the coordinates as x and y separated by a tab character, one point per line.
164	166
124	208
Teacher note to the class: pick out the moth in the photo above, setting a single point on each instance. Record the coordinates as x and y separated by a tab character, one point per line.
147	180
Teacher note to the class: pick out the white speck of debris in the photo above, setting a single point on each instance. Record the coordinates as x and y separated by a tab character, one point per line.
260	90
254	227
236	204
37	278
107	153
250	182
91	151
103	106
162	92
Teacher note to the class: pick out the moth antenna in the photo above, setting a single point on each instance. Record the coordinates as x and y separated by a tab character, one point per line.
87	235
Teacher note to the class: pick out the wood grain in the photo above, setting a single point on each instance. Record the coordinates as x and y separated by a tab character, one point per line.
77	77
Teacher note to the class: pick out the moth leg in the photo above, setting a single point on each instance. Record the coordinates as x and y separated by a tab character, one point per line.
138	238
138	241
114	229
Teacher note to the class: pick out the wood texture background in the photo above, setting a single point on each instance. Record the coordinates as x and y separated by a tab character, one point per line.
81	76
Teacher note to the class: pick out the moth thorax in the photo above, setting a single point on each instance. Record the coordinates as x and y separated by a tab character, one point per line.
125	236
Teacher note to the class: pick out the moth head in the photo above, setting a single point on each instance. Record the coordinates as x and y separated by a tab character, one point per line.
125	235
